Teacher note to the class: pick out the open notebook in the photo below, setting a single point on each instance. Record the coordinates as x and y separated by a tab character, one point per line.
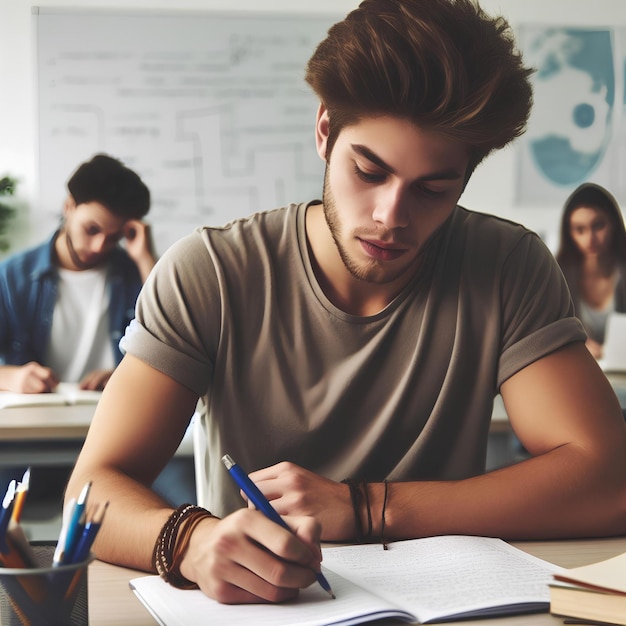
64	394
614	351
427	580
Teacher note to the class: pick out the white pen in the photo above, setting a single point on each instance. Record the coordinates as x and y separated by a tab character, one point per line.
67	516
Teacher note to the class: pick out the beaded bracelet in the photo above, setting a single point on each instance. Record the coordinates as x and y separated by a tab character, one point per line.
173	542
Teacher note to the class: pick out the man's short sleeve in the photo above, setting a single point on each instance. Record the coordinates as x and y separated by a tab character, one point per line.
537	311
177	320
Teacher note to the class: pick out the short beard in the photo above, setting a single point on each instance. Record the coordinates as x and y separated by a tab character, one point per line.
76	260
367	272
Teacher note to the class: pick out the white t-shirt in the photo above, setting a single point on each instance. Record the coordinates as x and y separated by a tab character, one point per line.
79	340
595	320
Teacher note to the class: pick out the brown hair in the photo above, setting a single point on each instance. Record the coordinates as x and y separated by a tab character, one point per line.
108	181
442	64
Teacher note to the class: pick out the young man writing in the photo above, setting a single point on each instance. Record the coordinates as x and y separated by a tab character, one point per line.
363	338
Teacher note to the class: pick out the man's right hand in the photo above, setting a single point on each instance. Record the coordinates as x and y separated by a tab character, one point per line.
247	558
29	378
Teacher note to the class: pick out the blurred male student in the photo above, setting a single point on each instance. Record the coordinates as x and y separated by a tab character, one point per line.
363	337
65	303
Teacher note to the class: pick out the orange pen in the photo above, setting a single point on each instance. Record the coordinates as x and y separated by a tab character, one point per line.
20	496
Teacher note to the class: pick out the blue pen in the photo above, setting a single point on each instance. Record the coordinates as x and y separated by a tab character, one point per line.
76	524
262	504
83	546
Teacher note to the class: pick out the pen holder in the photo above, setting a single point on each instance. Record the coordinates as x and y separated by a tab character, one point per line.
44	595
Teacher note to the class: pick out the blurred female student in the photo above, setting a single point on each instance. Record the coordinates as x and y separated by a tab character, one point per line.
592	255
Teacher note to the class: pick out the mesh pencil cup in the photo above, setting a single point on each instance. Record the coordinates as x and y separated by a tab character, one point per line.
45	595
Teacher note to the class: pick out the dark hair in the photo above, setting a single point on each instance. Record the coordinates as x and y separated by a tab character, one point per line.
108	181
444	65
591	196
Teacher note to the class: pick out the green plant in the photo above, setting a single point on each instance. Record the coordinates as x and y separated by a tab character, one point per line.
7	212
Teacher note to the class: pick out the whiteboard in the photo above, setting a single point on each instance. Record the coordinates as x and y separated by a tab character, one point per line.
210	109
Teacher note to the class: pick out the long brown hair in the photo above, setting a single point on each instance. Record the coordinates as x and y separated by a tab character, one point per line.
591	196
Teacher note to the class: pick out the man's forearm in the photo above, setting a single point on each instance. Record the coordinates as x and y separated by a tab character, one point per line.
133	520
559	494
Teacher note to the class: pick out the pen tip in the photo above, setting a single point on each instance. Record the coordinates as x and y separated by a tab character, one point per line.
331	594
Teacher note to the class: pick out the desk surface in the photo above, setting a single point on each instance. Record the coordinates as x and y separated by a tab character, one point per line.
45	422
68	424
111	601
72	422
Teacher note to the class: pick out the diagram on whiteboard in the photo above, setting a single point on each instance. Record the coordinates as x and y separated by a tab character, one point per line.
211	110
577	129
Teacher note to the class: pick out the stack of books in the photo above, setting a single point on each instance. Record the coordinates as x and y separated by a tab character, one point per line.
592	592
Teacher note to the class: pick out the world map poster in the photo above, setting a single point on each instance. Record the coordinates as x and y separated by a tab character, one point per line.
577	129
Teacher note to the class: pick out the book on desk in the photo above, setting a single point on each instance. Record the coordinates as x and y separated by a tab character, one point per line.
592	592
64	394
427	580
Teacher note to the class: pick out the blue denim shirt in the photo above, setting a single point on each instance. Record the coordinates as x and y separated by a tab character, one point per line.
28	292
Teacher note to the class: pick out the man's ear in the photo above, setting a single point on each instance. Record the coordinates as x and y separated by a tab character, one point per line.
322	125
70	204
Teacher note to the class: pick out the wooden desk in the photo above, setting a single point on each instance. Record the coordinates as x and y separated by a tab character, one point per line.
111	602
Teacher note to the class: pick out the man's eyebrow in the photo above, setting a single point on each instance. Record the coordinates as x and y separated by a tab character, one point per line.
364	151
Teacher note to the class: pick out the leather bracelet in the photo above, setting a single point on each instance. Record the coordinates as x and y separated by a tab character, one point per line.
368	534
173	542
382	517
355	497
358	494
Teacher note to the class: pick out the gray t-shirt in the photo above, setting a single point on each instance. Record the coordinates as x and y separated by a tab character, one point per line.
237	315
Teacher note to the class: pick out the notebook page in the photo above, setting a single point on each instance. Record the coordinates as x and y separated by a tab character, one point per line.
64	394
178	607
450	575
9	399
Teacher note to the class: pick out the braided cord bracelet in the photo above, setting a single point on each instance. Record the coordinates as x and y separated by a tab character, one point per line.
173	542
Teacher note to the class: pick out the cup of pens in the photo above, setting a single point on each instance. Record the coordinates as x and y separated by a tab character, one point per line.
47	594
45	583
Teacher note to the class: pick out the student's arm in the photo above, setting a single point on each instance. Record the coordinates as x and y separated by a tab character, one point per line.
566	415
29	378
139	245
136	429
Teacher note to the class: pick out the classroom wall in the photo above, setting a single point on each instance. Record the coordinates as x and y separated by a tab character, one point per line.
491	189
